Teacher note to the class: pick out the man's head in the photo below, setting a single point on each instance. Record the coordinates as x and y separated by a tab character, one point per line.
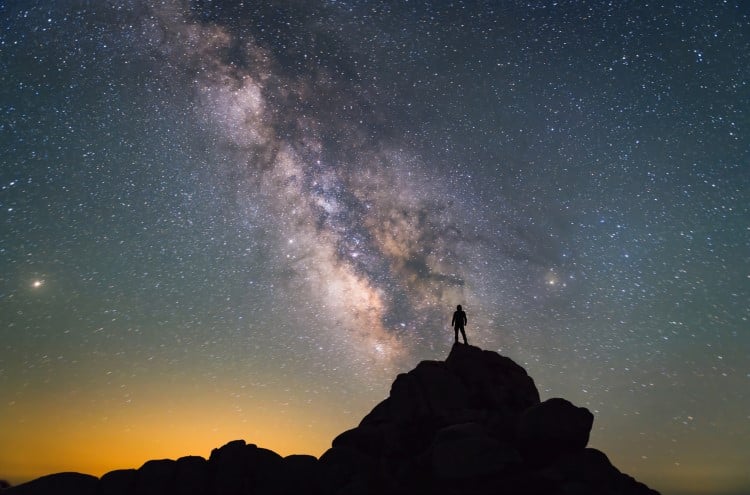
459	307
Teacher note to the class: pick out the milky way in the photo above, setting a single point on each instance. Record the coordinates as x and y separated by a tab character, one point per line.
374	244
242	219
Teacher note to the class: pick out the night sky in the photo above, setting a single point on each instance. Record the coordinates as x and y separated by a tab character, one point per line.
225	220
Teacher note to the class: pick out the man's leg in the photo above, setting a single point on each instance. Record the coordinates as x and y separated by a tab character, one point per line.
463	334
455	329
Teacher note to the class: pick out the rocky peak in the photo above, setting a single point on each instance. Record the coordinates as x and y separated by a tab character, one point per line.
472	424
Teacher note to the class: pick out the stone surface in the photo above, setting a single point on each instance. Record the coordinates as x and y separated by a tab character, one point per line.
551	429
57	484
119	482
301	475
192	477
156	477
492	381
468	451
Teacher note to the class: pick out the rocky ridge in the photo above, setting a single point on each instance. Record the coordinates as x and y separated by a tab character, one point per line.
472	424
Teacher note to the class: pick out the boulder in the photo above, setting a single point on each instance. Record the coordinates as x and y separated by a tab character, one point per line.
491	380
381	413
156	477
119	482
468	451
57	484
229	466
590	471
341	466
366	438
551	429
301	475
267	468
192	477
429	390
240	468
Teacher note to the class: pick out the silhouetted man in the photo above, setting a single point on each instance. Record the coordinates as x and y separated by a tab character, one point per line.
458	322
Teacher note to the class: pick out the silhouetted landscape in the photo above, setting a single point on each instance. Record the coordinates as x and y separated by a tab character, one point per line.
472	424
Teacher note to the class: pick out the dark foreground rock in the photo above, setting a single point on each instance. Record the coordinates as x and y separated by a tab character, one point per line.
63	483
472	424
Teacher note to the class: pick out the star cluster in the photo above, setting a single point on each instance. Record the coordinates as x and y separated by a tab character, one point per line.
242	219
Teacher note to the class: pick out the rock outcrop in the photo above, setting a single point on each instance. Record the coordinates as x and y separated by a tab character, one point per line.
472	424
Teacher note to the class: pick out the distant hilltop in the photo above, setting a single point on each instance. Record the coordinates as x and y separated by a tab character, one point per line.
472	424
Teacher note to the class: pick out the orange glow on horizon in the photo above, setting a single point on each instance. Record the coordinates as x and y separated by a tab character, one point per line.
73	440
